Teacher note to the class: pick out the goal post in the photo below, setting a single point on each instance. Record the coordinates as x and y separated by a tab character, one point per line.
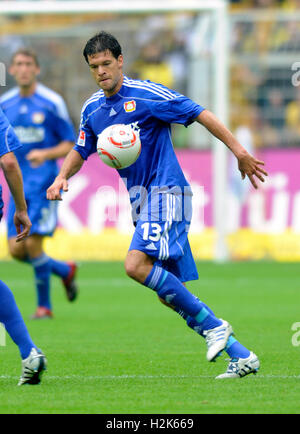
218	10
220	172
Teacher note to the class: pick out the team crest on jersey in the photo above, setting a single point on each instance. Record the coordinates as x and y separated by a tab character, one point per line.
81	139
129	106
38	118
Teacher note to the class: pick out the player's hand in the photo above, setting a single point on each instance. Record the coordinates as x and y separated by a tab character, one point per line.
22	224
54	191
250	166
36	157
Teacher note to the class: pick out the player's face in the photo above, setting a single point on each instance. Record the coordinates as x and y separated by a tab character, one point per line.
24	70
107	71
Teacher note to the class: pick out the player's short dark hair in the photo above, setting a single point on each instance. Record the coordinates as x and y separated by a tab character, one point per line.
102	41
29	52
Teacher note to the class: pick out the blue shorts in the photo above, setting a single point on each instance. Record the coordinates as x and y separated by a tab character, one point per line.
42	213
162	233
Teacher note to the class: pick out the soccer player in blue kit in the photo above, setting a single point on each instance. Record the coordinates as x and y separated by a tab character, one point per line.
33	360
41	121
159	256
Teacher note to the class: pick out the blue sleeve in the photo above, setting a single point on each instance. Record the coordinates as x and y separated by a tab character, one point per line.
8	140
86	143
179	110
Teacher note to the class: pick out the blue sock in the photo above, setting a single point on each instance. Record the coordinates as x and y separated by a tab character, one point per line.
235	349
42	272
60	268
195	325
191	322
12	319
171	290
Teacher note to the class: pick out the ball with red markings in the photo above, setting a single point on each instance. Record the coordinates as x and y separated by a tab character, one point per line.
119	146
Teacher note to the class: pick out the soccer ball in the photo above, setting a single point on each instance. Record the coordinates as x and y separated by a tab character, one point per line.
119	146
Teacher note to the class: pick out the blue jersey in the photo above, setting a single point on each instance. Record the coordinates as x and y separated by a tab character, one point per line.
161	221
8	140
8	143
40	121
149	108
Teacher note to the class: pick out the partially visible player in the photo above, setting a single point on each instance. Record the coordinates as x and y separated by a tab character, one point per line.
159	256
33	360
40	119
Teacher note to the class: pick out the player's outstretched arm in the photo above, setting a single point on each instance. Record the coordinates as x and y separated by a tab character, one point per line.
247	164
39	156
71	165
14	180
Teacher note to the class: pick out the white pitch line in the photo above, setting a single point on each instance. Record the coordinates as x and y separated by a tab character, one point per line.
84	282
143	377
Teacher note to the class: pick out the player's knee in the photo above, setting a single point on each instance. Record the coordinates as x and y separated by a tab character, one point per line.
131	269
135	269
16	251
19	256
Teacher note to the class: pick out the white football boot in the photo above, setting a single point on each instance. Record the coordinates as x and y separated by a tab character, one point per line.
216	340
33	367
239	367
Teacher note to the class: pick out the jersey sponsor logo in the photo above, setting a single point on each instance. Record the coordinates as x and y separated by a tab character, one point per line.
129	106
38	117
81	140
30	134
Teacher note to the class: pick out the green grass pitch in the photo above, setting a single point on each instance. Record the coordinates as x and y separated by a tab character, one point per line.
117	350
